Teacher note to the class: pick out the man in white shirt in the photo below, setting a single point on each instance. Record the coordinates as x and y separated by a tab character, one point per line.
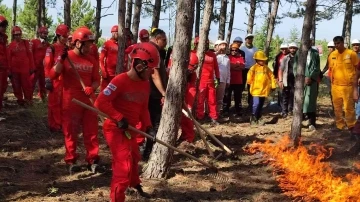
249	50
224	68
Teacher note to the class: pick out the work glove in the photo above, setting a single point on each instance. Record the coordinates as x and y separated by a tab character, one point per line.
217	82
89	91
64	53
123	124
10	75
32	71
152	133
48	84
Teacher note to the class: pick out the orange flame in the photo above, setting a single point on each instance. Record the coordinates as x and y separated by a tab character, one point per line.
303	175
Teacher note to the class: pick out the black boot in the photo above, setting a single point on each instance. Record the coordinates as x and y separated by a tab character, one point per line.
148	148
141	191
73	168
96	168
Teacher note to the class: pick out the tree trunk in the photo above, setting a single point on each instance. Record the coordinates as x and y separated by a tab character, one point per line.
271	26
205	28
197	17
222	21
43	9
136	19
251	19
121	37
14	12
97	20
156	14
346	32
161	156
313	29
299	79
231	21
128	13
39	13
67	8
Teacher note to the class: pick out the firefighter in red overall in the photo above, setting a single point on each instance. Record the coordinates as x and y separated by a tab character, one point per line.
55	85
4	67
125	100
39	47
75	118
22	66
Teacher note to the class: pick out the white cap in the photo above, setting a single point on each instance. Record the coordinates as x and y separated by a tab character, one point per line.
355	41
238	39
292	45
331	43
218	42
249	35
283	45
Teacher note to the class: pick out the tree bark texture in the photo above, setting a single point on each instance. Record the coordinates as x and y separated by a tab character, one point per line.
14	12
231	21
156	14
67	10
222	21
313	29
161	156
97	20
346	32
271	26
121	37
204	35
299	79
39	13
128	13
197	17
43	9
250	24
136	19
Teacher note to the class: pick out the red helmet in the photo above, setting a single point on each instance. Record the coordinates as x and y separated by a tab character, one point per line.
3	20
62	30
115	28
193	61
43	29
82	34
146	52
16	30
143	34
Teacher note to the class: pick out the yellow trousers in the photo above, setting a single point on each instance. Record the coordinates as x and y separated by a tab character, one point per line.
342	97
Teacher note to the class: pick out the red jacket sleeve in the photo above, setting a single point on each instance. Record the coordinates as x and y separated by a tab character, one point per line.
30	54
216	67
145	117
48	61
105	102
9	59
95	72
102	58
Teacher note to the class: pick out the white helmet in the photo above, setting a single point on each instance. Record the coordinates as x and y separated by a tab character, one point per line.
218	42
355	41
331	44
284	45
238	39
293	45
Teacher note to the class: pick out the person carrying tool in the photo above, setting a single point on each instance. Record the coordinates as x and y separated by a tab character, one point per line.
125	100
79	62
207	90
21	62
39	47
55	85
343	76
4	66
261	81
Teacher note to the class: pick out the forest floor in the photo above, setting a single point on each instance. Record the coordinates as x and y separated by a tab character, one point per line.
32	166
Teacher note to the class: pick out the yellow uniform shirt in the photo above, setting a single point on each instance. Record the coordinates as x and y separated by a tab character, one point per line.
342	67
261	80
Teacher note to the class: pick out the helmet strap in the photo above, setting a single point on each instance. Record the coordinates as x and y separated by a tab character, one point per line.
80	49
138	72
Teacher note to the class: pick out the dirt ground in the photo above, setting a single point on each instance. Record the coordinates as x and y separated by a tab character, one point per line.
32	166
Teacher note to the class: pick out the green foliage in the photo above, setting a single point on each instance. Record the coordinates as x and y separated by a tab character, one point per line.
82	14
27	18
100	42
7	12
294	36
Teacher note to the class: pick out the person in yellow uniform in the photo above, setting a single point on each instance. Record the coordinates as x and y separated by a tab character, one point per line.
261	81
343	75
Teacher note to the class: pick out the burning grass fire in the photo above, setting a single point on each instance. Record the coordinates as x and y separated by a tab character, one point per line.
303	175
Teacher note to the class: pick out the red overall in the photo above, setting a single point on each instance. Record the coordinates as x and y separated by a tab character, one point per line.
55	96
21	62
94	52
124	97
207	86
39	49
108	60
74	117
4	66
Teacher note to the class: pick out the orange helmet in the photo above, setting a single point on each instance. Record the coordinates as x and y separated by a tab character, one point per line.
148	53
82	34
62	30
43	29
193	61
16	30
143	34
115	28
3	21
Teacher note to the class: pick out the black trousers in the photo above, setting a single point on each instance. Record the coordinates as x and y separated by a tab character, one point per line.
237	89
244	76
288	99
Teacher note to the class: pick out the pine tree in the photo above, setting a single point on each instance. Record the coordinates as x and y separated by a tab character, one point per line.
7	13
82	14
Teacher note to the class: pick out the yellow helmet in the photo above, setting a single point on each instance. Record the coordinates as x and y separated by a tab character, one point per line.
260	55
153	29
